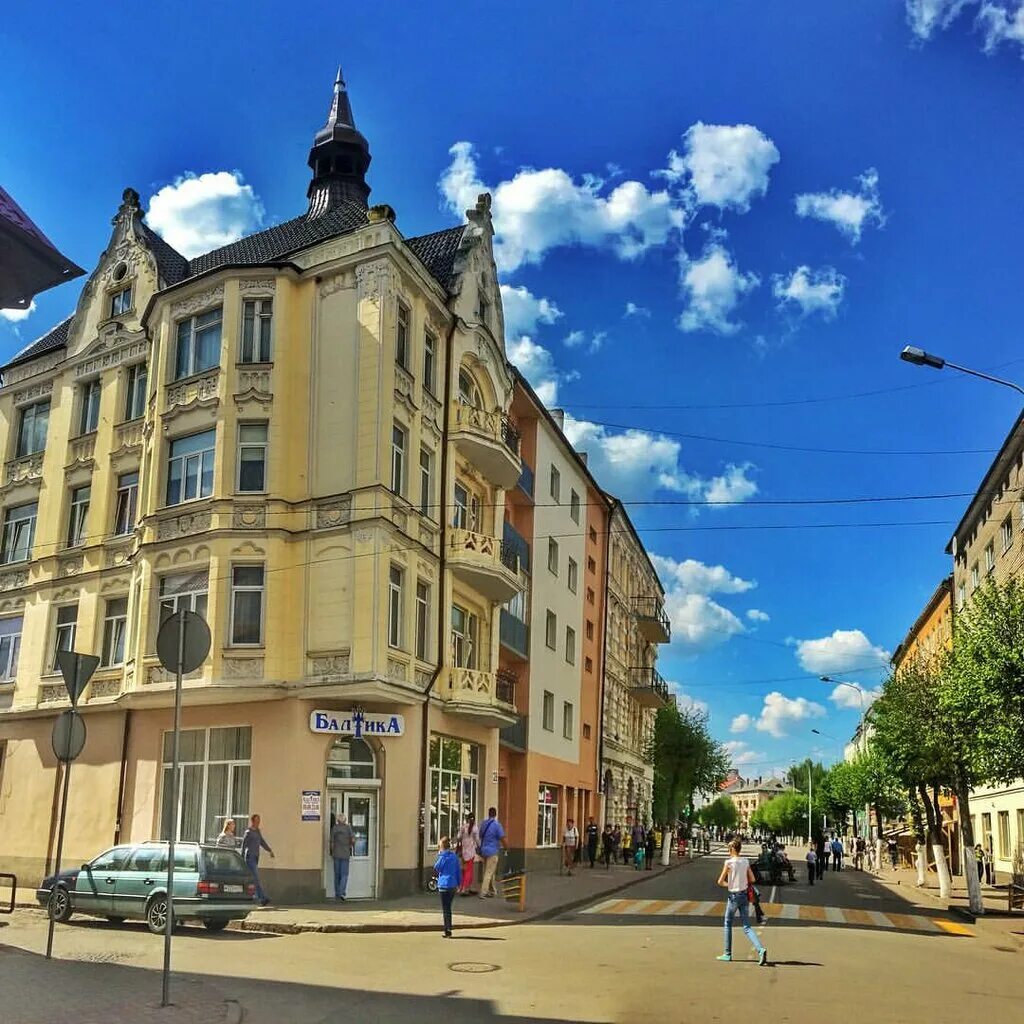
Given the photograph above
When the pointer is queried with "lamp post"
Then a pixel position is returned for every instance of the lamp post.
(918, 357)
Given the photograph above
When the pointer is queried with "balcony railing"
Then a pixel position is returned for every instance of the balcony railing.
(509, 555)
(525, 483)
(510, 435)
(516, 735)
(505, 686)
(514, 540)
(652, 619)
(489, 439)
(514, 634)
(485, 563)
(648, 687)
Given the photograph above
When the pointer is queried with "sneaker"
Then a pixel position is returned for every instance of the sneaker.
(727, 957)
(762, 958)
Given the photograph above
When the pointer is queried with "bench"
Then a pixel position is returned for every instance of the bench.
(1015, 896)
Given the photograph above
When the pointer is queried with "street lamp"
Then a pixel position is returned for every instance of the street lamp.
(918, 357)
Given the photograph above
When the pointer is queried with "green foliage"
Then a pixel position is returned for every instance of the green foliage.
(796, 776)
(785, 814)
(721, 812)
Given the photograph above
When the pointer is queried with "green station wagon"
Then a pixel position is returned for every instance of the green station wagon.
(211, 884)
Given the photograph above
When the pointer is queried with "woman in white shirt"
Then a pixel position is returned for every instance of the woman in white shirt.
(570, 840)
(736, 876)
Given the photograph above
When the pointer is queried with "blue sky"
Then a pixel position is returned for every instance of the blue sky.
(717, 227)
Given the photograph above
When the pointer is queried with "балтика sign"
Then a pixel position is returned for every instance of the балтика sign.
(356, 723)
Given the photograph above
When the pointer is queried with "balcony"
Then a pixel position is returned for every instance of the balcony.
(505, 686)
(648, 688)
(490, 567)
(525, 482)
(514, 634)
(518, 544)
(517, 735)
(474, 693)
(651, 620)
(489, 440)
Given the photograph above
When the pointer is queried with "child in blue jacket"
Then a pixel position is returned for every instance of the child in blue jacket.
(448, 871)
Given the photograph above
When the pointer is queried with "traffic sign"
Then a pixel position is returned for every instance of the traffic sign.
(68, 736)
(77, 670)
(194, 639)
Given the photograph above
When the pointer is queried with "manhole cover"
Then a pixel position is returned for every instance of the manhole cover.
(472, 967)
(103, 958)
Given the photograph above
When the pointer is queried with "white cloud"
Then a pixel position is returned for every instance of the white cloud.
(927, 16)
(698, 622)
(811, 291)
(1001, 23)
(198, 213)
(741, 723)
(756, 615)
(848, 211)
(779, 713)
(523, 311)
(577, 339)
(733, 487)
(15, 316)
(632, 309)
(540, 210)
(740, 754)
(685, 701)
(726, 165)
(713, 287)
(848, 698)
(537, 365)
(845, 650)
(697, 578)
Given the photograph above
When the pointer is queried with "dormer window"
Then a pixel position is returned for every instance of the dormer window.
(121, 302)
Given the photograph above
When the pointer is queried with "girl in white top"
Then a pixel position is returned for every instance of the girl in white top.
(736, 876)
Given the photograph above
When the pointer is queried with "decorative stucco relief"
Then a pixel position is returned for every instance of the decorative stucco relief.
(13, 580)
(243, 668)
(375, 281)
(182, 526)
(334, 665)
(333, 513)
(249, 517)
(198, 302)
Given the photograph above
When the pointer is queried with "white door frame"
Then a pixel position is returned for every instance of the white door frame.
(340, 789)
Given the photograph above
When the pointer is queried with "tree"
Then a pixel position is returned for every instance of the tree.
(721, 812)
(796, 775)
(785, 814)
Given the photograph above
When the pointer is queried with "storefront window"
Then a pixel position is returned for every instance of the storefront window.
(351, 758)
(454, 772)
(547, 815)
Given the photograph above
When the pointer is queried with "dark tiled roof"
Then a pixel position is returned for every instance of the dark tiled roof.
(56, 337)
(170, 264)
(437, 252)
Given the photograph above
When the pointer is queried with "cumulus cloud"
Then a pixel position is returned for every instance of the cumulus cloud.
(733, 487)
(197, 213)
(998, 21)
(537, 365)
(15, 316)
(697, 578)
(725, 165)
(712, 287)
(741, 723)
(779, 713)
(849, 699)
(685, 701)
(524, 311)
(579, 339)
(540, 210)
(848, 211)
(756, 615)
(810, 291)
(740, 754)
(632, 309)
(844, 651)
(1001, 23)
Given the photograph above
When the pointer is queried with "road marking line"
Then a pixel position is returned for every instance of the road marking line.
(879, 918)
(642, 906)
(835, 915)
(600, 908)
(658, 906)
(811, 912)
(703, 908)
(677, 907)
(953, 928)
(624, 907)
(775, 892)
(855, 916)
(789, 912)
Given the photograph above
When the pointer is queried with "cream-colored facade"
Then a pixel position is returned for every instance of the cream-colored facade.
(753, 794)
(633, 689)
(303, 436)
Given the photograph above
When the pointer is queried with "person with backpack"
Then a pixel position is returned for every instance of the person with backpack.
(492, 840)
(449, 876)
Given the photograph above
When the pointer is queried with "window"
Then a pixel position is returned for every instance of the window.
(19, 533)
(77, 515)
(395, 583)
(402, 336)
(483, 307)
(591, 565)
(89, 415)
(1007, 533)
(1003, 850)
(574, 506)
(548, 715)
(398, 447)
(350, 758)
(426, 480)
(213, 783)
(572, 574)
(986, 832)
(593, 536)
(586, 731)
(429, 360)
(135, 394)
(190, 467)
(567, 720)
(990, 556)
(115, 624)
(247, 585)
(547, 816)
(469, 393)
(467, 509)
(960, 596)
(198, 343)
(422, 619)
(10, 646)
(553, 555)
(570, 645)
(257, 322)
(125, 504)
(590, 595)
(454, 781)
(187, 592)
(556, 484)
(64, 633)
(975, 578)
(590, 629)
(121, 302)
(1020, 830)
(551, 630)
(32, 428)
(252, 457)
(588, 665)
(464, 630)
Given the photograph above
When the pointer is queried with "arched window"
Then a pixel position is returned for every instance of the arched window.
(351, 758)
(469, 393)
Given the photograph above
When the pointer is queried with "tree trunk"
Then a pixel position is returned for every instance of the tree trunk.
(934, 813)
(921, 847)
(879, 843)
(974, 900)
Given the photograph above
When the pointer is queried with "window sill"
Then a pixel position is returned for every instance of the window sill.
(8, 685)
(257, 365)
(243, 649)
(188, 501)
(194, 376)
(248, 494)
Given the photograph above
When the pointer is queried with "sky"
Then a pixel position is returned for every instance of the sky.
(715, 230)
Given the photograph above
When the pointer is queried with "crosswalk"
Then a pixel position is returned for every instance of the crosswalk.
(811, 913)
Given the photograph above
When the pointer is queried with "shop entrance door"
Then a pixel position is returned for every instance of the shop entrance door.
(360, 810)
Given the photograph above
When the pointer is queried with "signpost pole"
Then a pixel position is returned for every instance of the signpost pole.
(166, 996)
(60, 847)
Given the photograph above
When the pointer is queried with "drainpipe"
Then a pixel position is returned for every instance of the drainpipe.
(442, 563)
(122, 778)
(604, 663)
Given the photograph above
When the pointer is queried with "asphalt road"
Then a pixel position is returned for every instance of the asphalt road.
(846, 946)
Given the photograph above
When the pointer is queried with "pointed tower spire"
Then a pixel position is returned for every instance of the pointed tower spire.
(339, 158)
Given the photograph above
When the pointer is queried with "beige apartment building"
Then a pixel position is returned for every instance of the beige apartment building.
(751, 794)
(304, 437)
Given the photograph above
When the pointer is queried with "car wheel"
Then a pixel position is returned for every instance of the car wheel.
(116, 920)
(59, 904)
(215, 924)
(156, 915)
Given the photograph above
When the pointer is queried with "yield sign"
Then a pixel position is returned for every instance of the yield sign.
(77, 670)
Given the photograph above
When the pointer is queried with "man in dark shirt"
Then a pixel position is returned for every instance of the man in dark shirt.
(592, 833)
(252, 843)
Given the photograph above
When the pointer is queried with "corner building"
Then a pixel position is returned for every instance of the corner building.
(302, 436)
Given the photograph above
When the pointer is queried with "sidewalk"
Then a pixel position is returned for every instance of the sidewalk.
(904, 880)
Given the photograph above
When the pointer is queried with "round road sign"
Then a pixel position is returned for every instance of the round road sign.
(195, 642)
(68, 736)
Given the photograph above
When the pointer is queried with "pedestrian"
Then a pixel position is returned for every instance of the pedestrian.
(343, 843)
(492, 839)
(824, 852)
(616, 840)
(639, 840)
(837, 854)
(627, 841)
(570, 842)
(607, 846)
(449, 874)
(894, 852)
(990, 864)
(858, 853)
(468, 846)
(812, 863)
(227, 835)
(252, 843)
(737, 877)
(593, 832)
(819, 857)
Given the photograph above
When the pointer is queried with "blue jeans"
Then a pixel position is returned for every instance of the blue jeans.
(447, 896)
(340, 876)
(253, 866)
(738, 901)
